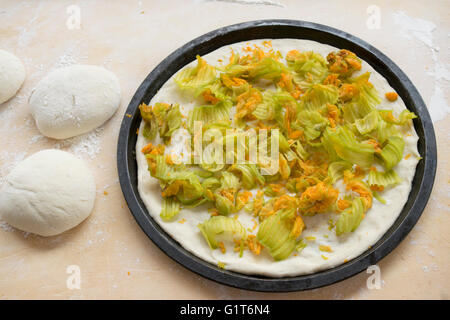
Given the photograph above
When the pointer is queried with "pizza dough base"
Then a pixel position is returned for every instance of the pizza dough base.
(346, 247)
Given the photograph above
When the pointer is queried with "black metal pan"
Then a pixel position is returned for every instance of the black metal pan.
(263, 29)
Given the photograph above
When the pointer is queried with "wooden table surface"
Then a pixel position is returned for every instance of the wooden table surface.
(115, 258)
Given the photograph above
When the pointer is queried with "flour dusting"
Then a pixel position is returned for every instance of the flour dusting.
(36, 138)
(438, 105)
(422, 30)
(415, 27)
(8, 160)
(6, 227)
(88, 144)
(251, 2)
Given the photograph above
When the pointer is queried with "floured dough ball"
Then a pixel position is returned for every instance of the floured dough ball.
(74, 100)
(12, 75)
(48, 193)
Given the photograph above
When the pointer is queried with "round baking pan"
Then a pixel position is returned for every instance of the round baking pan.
(276, 29)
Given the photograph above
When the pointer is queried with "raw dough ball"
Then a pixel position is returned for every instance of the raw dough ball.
(12, 75)
(74, 100)
(48, 193)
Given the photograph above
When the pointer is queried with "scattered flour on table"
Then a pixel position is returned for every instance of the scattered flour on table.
(422, 30)
(6, 227)
(250, 2)
(8, 160)
(88, 144)
(82, 146)
(36, 138)
(71, 55)
(415, 27)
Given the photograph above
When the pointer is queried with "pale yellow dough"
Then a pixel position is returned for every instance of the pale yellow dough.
(376, 222)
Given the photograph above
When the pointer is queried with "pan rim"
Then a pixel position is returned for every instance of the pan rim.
(215, 39)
